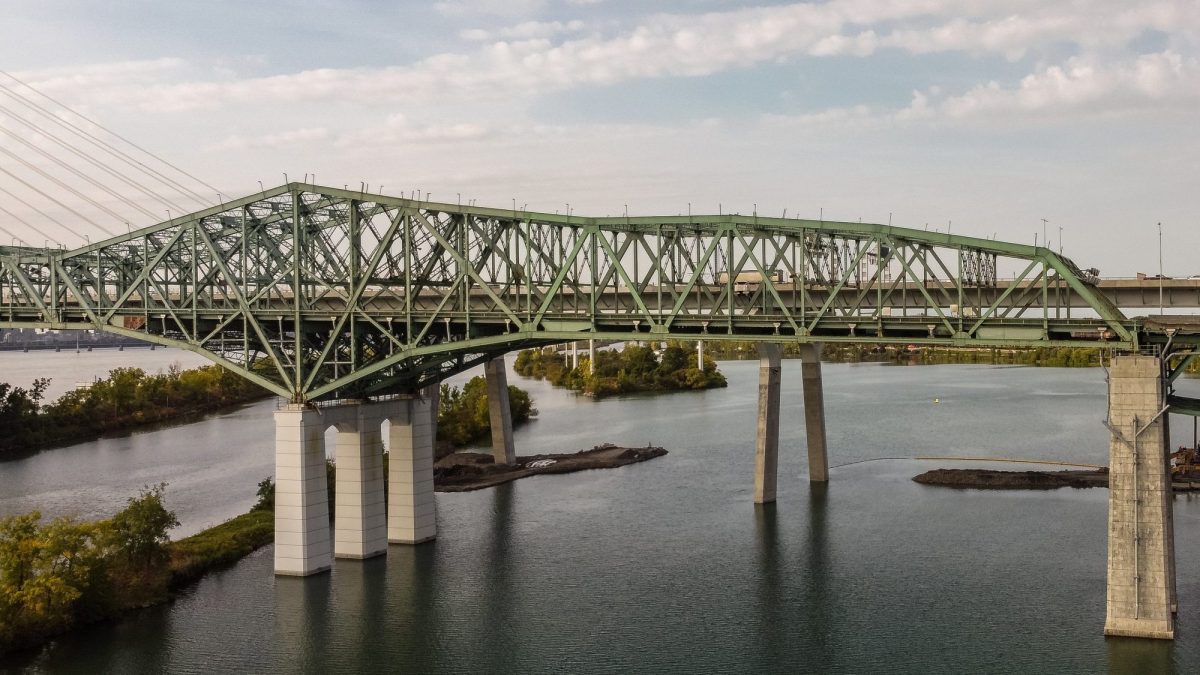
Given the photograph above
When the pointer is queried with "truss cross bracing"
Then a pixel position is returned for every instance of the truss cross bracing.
(318, 293)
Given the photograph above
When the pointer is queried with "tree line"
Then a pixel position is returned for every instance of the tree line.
(635, 368)
(127, 398)
(1051, 357)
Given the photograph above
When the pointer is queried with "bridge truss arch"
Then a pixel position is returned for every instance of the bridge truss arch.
(319, 293)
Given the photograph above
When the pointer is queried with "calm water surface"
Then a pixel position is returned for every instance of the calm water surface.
(669, 566)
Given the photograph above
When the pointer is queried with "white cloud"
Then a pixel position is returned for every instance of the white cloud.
(534, 58)
(398, 129)
(285, 139)
(461, 8)
(528, 30)
(1082, 86)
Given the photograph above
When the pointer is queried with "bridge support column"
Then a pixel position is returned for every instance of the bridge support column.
(301, 498)
(814, 413)
(499, 412)
(700, 354)
(591, 357)
(766, 453)
(359, 513)
(412, 512)
(1140, 529)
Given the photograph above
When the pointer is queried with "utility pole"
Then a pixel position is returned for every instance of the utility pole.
(1160, 271)
(1044, 241)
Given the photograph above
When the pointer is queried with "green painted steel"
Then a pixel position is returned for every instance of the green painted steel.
(343, 294)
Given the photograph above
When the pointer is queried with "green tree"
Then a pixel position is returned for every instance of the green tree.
(266, 495)
(44, 572)
(139, 531)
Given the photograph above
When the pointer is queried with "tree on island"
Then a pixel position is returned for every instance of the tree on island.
(636, 368)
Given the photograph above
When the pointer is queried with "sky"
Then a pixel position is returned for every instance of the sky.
(979, 116)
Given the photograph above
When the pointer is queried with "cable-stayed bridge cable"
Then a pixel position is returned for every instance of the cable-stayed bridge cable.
(56, 201)
(33, 167)
(107, 147)
(99, 164)
(45, 215)
(115, 134)
(76, 172)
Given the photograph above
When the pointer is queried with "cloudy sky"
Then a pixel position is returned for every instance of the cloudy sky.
(987, 114)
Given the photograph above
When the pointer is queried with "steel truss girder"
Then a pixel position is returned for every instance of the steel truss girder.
(318, 293)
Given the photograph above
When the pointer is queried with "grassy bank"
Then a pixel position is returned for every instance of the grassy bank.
(220, 546)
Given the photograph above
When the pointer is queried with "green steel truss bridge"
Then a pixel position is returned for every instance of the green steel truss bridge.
(317, 293)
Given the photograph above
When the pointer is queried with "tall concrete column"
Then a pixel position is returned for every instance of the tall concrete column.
(1170, 514)
(591, 357)
(360, 513)
(814, 413)
(499, 412)
(700, 354)
(1140, 532)
(302, 544)
(411, 510)
(766, 453)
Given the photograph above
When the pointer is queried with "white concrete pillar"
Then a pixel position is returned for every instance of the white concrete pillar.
(814, 413)
(499, 411)
(766, 454)
(574, 355)
(700, 354)
(302, 544)
(591, 357)
(412, 512)
(1140, 528)
(359, 513)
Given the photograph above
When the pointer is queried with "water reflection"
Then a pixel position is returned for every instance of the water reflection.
(772, 622)
(302, 622)
(1131, 656)
(817, 577)
(500, 647)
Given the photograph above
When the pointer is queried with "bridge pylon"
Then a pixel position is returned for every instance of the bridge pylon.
(1141, 536)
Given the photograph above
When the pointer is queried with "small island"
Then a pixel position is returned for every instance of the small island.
(463, 471)
(635, 368)
(990, 479)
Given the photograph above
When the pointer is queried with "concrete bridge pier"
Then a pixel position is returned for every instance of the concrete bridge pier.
(499, 411)
(411, 510)
(766, 452)
(359, 512)
(814, 413)
(1141, 536)
(302, 544)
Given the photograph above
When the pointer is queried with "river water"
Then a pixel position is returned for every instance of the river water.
(668, 566)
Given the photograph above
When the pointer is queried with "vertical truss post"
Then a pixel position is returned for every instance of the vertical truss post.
(297, 292)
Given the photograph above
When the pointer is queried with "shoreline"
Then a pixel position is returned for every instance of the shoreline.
(219, 547)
